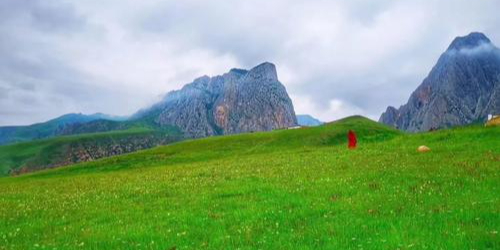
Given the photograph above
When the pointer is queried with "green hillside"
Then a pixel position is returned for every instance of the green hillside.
(288, 189)
(39, 154)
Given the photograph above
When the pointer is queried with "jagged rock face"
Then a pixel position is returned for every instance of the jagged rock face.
(462, 88)
(236, 102)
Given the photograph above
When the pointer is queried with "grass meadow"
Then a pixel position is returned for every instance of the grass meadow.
(287, 189)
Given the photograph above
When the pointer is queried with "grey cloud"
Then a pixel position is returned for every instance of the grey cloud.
(62, 56)
(4, 93)
(46, 16)
(222, 26)
(483, 48)
(36, 82)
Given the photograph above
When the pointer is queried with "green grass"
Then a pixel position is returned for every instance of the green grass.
(289, 189)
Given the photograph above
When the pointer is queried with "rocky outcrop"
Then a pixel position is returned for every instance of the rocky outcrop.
(462, 88)
(236, 102)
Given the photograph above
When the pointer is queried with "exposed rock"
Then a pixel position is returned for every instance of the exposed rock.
(462, 88)
(236, 102)
(423, 149)
(390, 116)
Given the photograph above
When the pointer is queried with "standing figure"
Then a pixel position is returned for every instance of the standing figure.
(352, 139)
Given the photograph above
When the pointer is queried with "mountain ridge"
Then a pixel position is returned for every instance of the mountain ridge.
(50, 128)
(462, 88)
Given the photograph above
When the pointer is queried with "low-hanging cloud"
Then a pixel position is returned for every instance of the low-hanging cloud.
(478, 50)
(336, 58)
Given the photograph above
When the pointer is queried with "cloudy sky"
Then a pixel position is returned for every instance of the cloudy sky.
(336, 58)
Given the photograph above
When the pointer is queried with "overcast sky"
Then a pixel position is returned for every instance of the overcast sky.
(336, 58)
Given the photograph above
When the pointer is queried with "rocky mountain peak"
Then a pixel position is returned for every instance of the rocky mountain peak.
(462, 88)
(390, 115)
(235, 102)
(238, 71)
(200, 82)
(469, 41)
(264, 71)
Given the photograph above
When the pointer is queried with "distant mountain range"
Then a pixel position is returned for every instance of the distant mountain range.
(51, 128)
(462, 88)
(307, 120)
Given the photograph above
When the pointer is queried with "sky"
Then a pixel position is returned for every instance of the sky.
(335, 58)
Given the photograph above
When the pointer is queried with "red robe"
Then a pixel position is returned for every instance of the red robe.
(352, 139)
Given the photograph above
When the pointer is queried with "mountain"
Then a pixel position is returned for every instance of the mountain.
(101, 116)
(307, 120)
(54, 127)
(462, 88)
(236, 102)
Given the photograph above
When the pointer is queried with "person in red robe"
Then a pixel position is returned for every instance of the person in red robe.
(351, 136)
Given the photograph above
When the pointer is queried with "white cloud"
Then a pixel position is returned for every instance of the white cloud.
(334, 110)
(336, 58)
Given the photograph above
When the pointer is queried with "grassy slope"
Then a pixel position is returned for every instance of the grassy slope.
(295, 189)
(43, 152)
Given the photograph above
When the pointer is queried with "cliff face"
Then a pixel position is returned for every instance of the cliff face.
(462, 88)
(236, 102)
